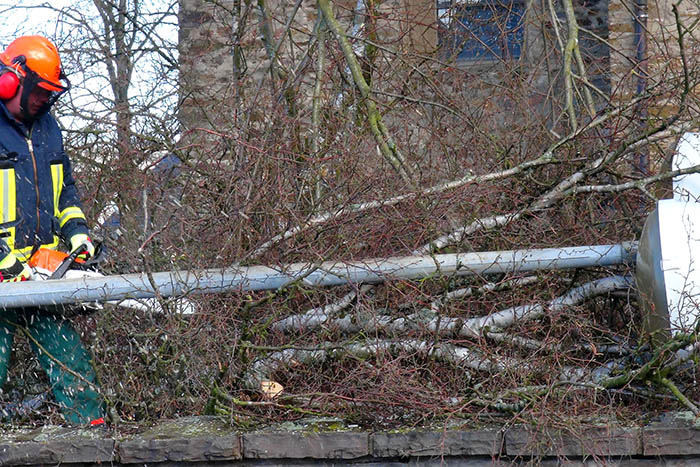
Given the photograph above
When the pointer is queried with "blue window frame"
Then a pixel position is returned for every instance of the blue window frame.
(482, 29)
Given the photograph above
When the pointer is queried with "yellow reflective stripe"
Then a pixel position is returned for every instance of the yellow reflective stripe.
(8, 203)
(8, 193)
(71, 212)
(24, 253)
(57, 180)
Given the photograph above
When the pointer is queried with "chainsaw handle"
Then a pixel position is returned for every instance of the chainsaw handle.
(98, 257)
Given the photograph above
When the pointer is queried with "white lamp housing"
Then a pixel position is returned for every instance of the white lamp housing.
(668, 261)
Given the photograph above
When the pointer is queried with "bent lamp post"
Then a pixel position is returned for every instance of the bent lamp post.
(667, 273)
(250, 278)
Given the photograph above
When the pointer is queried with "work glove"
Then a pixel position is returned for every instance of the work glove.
(13, 270)
(88, 248)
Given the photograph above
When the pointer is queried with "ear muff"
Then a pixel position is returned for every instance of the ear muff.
(9, 84)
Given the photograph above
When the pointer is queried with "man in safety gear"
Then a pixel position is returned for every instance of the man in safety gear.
(40, 208)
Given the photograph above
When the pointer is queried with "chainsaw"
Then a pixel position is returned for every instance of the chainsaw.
(47, 264)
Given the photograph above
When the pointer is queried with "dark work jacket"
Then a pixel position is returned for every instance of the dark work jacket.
(39, 203)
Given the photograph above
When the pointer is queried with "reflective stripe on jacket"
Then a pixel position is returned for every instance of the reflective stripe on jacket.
(39, 203)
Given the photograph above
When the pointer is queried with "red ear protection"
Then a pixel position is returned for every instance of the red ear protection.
(9, 84)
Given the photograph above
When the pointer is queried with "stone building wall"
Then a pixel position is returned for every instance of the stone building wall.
(622, 47)
(207, 32)
(646, 57)
(655, 38)
(206, 63)
(663, 48)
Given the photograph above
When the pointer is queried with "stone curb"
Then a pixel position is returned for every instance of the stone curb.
(54, 446)
(437, 443)
(188, 439)
(208, 439)
(660, 440)
(300, 445)
(602, 441)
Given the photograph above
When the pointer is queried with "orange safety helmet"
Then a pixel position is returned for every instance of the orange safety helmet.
(32, 61)
(40, 56)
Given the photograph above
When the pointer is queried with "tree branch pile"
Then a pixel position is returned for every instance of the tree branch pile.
(345, 143)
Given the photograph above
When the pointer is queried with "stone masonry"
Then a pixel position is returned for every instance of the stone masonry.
(197, 441)
(209, 31)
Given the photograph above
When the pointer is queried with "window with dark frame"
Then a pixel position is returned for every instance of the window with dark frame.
(482, 29)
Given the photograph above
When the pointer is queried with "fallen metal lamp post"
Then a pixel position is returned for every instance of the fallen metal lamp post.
(251, 278)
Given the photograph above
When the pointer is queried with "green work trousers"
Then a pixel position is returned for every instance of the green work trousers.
(62, 356)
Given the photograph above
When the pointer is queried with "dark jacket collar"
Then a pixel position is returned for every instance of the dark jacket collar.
(9, 119)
